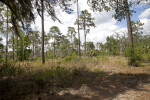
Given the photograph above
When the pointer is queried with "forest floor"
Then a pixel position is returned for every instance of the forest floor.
(89, 79)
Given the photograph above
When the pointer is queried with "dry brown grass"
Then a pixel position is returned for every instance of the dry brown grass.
(104, 76)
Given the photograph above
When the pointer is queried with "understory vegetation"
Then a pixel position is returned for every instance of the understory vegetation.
(27, 80)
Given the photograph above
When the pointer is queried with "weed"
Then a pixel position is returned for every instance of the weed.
(96, 69)
(84, 80)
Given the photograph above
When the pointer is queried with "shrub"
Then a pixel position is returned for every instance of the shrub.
(69, 58)
(10, 70)
(134, 55)
(146, 57)
(84, 80)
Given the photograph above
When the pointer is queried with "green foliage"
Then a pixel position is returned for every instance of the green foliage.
(101, 75)
(134, 55)
(57, 74)
(69, 58)
(102, 53)
(74, 55)
(50, 56)
(11, 70)
(112, 45)
(27, 51)
(96, 69)
(27, 98)
(84, 80)
(1, 51)
(119, 6)
(103, 58)
(146, 57)
(90, 46)
(92, 53)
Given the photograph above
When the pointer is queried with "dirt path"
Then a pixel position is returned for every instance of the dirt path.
(140, 93)
(128, 83)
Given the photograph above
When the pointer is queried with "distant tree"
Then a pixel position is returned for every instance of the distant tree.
(85, 22)
(1, 49)
(90, 46)
(6, 28)
(76, 43)
(123, 41)
(54, 33)
(12, 43)
(71, 34)
(100, 46)
(34, 36)
(79, 50)
(145, 44)
(64, 46)
(112, 45)
(137, 30)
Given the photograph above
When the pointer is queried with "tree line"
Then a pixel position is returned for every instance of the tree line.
(17, 15)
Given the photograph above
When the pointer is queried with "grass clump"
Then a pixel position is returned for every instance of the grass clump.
(8, 70)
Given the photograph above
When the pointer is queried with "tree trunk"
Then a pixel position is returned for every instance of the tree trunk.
(13, 47)
(7, 39)
(33, 48)
(79, 50)
(84, 43)
(84, 37)
(17, 49)
(23, 48)
(72, 43)
(54, 47)
(130, 36)
(43, 56)
(132, 60)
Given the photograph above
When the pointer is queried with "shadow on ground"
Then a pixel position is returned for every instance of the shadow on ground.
(100, 85)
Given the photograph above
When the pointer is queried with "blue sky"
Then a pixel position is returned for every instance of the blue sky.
(135, 16)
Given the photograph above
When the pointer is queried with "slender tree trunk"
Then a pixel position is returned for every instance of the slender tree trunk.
(79, 50)
(130, 36)
(84, 37)
(33, 48)
(84, 43)
(17, 49)
(54, 47)
(7, 38)
(43, 56)
(23, 48)
(13, 47)
(72, 43)
(46, 50)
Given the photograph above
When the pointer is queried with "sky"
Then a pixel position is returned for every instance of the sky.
(105, 24)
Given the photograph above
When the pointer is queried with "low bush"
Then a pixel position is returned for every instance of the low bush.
(134, 55)
(72, 57)
(11, 70)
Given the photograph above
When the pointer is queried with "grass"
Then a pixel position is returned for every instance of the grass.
(34, 76)
(61, 66)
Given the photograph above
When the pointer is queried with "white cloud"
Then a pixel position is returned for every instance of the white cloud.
(145, 14)
(144, 18)
(105, 24)
(146, 26)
